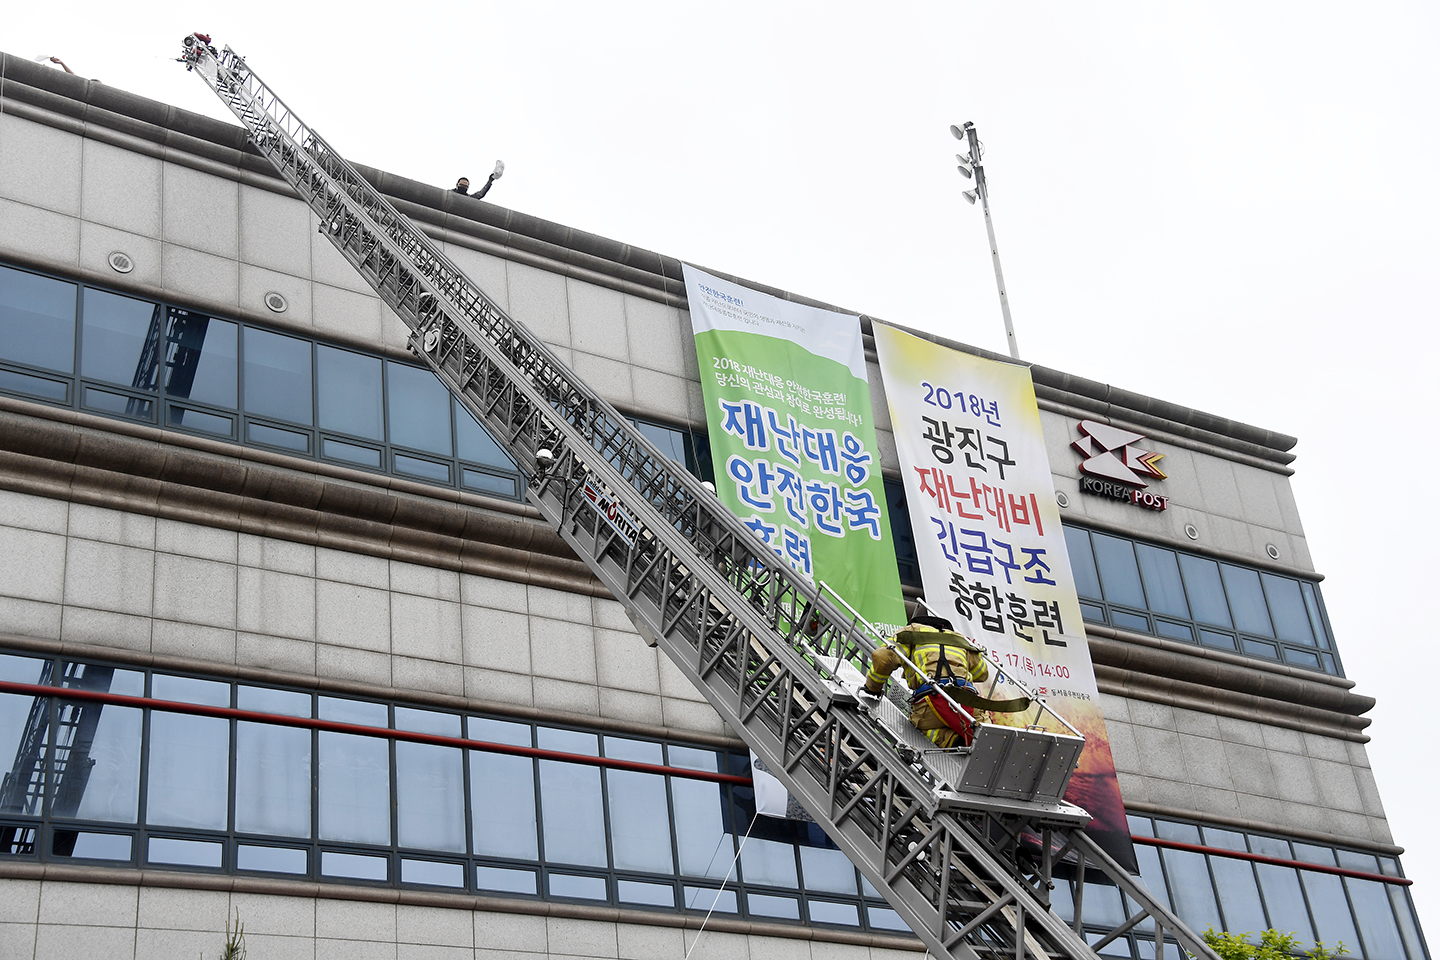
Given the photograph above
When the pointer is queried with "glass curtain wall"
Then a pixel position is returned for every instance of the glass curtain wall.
(1195, 599)
(161, 364)
(149, 784)
(144, 785)
(1217, 877)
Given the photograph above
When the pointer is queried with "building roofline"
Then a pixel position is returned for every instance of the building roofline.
(638, 270)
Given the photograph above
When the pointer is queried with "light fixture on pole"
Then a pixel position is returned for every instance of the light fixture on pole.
(969, 167)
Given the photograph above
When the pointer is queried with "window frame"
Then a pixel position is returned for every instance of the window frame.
(1324, 652)
(154, 407)
(728, 764)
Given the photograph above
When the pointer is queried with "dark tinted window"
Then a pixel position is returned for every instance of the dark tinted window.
(203, 363)
(1239, 896)
(277, 376)
(669, 442)
(1247, 601)
(682, 446)
(1376, 921)
(1119, 576)
(119, 339)
(1114, 574)
(1082, 563)
(475, 442)
(1312, 607)
(1161, 574)
(1202, 585)
(419, 409)
(572, 813)
(900, 528)
(1283, 899)
(348, 393)
(37, 320)
(1287, 609)
(1191, 889)
(200, 358)
(1330, 909)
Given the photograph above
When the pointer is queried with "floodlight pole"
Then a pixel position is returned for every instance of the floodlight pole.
(972, 140)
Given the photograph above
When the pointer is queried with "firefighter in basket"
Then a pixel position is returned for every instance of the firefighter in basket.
(953, 664)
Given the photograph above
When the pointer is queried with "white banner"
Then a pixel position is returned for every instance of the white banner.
(991, 549)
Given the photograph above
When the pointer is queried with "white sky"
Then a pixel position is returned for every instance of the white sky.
(1232, 207)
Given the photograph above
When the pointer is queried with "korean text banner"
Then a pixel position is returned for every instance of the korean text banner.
(792, 435)
(991, 550)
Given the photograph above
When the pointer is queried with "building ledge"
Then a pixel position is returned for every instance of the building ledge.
(1163, 671)
(1261, 826)
(184, 880)
(68, 455)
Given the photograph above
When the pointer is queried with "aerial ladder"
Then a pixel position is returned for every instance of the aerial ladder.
(950, 840)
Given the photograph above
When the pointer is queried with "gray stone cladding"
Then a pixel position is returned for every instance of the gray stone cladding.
(53, 919)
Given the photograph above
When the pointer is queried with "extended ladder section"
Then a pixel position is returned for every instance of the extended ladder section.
(759, 641)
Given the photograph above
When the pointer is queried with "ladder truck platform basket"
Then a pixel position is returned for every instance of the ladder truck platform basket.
(1020, 770)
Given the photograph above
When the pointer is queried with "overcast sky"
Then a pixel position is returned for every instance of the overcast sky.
(1232, 207)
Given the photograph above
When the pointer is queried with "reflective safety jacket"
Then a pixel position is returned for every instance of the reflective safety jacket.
(924, 645)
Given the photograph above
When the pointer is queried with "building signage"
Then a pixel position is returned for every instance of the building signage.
(1118, 491)
(1116, 466)
(792, 435)
(992, 552)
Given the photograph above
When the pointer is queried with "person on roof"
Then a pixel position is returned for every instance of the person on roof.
(950, 662)
(462, 186)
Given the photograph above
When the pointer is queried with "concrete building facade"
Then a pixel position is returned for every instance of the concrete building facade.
(280, 514)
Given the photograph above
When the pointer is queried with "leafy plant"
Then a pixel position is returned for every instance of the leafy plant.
(1273, 945)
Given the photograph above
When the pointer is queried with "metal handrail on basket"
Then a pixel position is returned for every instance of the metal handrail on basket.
(997, 671)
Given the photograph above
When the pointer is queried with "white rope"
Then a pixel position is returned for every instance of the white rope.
(734, 861)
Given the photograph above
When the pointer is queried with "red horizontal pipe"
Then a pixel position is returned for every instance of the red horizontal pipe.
(1261, 858)
(203, 710)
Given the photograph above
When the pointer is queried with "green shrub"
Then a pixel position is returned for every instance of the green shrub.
(1273, 945)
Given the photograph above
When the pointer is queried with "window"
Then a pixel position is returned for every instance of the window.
(37, 320)
(350, 398)
(188, 371)
(120, 339)
(1182, 596)
(277, 376)
(271, 793)
(419, 409)
(906, 556)
(686, 447)
(1342, 897)
(201, 355)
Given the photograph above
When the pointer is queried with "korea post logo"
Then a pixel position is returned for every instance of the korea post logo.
(1116, 466)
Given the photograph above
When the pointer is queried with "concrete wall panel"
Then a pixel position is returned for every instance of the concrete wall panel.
(200, 211)
(40, 165)
(121, 189)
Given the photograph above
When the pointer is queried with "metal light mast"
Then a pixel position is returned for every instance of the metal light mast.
(970, 166)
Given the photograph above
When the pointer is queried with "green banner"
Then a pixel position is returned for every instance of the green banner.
(792, 435)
